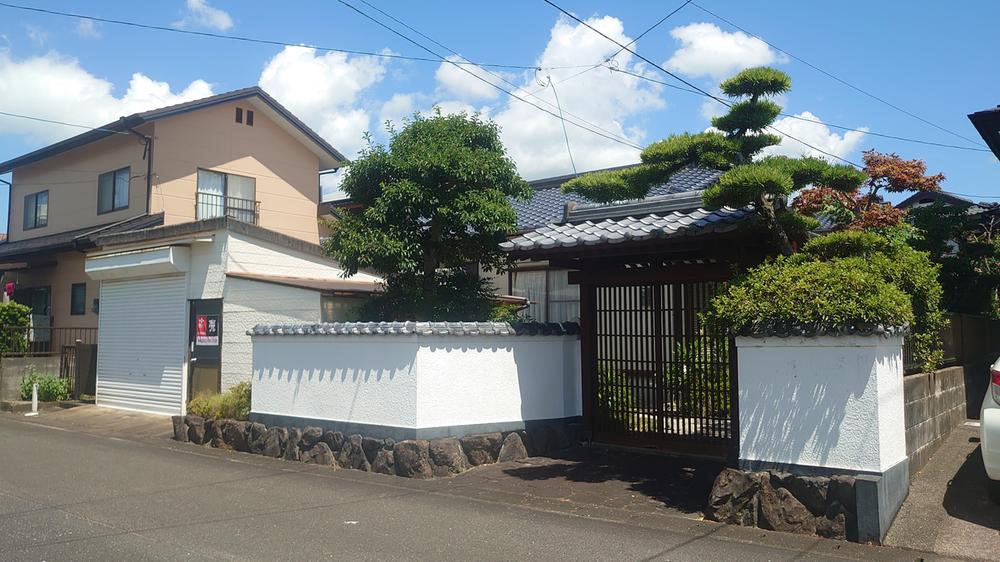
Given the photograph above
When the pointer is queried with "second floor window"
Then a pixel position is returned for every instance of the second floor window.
(222, 194)
(112, 190)
(36, 209)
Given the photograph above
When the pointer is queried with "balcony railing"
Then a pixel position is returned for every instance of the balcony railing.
(210, 205)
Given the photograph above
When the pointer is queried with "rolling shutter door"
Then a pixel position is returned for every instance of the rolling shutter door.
(141, 344)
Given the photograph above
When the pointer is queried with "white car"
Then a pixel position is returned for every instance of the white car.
(989, 432)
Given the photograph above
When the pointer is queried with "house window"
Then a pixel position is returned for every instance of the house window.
(221, 194)
(340, 308)
(250, 118)
(36, 210)
(551, 297)
(239, 114)
(78, 299)
(36, 298)
(112, 190)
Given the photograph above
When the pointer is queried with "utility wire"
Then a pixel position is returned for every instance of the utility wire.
(53, 121)
(503, 78)
(258, 40)
(817, 121)
(481, 79)
(565, 135)
(837, 78)
(693, 86)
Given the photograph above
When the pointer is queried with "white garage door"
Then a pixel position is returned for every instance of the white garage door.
(141, 344)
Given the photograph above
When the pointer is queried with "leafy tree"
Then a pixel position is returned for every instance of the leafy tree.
(14, 314)
(741, 134)
(435, 204)
(967, 246)
(865, 207)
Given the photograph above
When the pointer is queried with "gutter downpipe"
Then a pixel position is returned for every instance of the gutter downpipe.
(10, 199)
(147, 155)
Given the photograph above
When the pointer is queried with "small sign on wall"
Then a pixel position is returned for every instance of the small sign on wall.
(206, 329)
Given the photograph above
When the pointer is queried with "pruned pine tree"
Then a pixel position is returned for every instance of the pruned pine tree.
(734, 147)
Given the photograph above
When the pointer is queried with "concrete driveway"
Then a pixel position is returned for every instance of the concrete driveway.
(948, 510)
(70, 492)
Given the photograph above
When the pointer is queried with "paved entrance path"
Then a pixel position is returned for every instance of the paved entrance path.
(73, 493)
(948, 510)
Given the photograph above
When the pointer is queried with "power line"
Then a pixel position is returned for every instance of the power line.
(481, 79)
(258, 40)
(838, 79)
(693, 86)
(817, 121)
(53, 121)
(501, 77)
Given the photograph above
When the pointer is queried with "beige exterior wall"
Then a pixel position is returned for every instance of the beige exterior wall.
(286, 172)
(60, 277)
(71, 180)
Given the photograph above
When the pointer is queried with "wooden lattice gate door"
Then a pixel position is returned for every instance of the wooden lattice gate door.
(660, 378)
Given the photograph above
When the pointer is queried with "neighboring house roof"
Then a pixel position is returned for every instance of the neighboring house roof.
(665, 216)
(344, 285)
(418, 329)
(548, 203)
(987, 122)
(927, 197)
(179, 230)
(80, 238)
(329, 157)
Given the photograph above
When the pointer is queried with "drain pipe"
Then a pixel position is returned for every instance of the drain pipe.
(147, 155)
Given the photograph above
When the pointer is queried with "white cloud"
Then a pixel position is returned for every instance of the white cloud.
(816, 134)
(324, 91)
(707, 50)
(200, 14)
(464, 85)
(37, 35)
(87, 28)
(397, 109)
(58, 88)
(607, 99)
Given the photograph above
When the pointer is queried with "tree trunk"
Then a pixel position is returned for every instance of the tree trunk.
(780, 237)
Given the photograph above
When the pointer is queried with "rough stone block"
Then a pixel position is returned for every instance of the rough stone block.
(483, 448)
(411, 459)
(180, 429)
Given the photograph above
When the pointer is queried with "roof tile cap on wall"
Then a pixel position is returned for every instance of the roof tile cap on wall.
(419, 329)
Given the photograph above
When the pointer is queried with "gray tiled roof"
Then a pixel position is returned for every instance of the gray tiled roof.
(548, 201)
(72, 238)
(418, 328)
(667, 216)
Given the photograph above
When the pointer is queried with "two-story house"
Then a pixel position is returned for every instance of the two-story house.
(171, 232)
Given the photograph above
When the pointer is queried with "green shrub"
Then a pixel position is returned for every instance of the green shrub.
(232, 404)
(699, 369)
(14, 314)
(507, 313)
(615, 403)
(821, 295)
(50, 387)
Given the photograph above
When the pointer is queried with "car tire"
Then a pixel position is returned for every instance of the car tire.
(994, 486)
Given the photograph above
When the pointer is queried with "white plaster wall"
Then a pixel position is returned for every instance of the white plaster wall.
(208, 266)
(834, 402)
(415, 381)
(247, 303)
(250, 255)
(497, 379)
(363, 379)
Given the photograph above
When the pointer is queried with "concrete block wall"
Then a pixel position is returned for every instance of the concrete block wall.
(934, 404)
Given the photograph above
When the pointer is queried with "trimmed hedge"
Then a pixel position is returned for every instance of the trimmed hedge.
(840, 280)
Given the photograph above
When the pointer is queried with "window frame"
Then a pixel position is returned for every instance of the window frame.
(239, 115)
(114, 187)
(33, 197)
(249, 117)
(225, 193)
(74, 310)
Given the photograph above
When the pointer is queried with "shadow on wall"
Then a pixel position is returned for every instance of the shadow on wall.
(558, 364)
(967, 498)
(790, 418)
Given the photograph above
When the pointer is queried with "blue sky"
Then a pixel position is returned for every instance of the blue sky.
(930, 58)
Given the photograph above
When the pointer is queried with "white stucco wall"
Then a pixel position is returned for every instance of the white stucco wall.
(247, 303)
(417, 382)
(831, 402)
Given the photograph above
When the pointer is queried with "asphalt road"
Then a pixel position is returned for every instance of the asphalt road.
(66, 494)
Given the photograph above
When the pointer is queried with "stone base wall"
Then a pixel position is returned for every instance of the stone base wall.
(934, 405)
(809, 505)
(14, 369)
(413, 458)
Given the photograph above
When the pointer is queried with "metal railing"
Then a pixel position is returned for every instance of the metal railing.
(27, 341)
(210, 205)
(966, 339)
